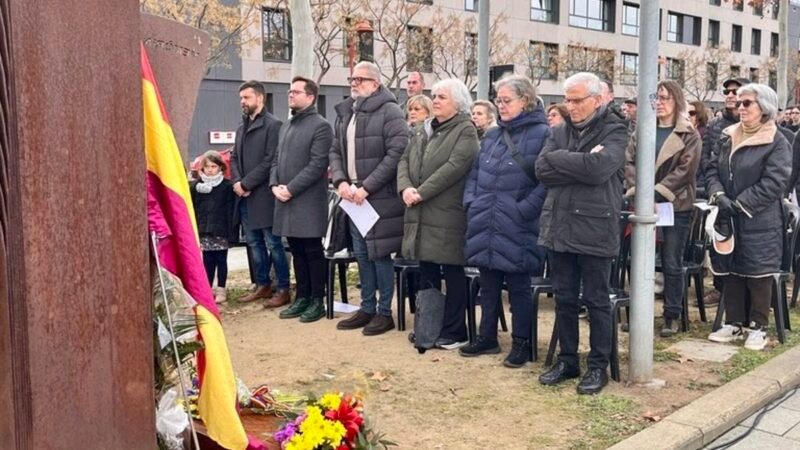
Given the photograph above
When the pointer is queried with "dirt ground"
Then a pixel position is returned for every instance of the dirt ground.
(440, 400)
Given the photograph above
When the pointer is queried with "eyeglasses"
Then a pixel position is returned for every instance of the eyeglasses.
(291, 92)
(575, 101)
(663, 98)
(692, 113)
(358, 80)
(745, 103)
(504, 101)
(729, 91)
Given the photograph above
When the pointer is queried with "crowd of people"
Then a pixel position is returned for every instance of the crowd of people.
(509, 187)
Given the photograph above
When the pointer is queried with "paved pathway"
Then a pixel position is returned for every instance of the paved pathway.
(779, 428)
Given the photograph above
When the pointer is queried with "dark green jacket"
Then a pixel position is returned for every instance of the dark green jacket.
(436, 163)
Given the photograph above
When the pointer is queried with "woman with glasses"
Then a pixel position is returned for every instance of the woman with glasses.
(556, 114)
(504, 199)
(746, 182)
(430, 180)
(678, 147)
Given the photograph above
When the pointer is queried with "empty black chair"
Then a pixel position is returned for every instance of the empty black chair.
(405, 270)
(337, 262)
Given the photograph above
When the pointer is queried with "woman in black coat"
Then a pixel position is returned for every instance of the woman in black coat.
(747, 182)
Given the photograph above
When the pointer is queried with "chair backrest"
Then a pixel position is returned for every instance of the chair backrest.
(697, 242)
(791, 217)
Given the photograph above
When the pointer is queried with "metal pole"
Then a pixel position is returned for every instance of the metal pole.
(187, 405)
(783, 54)
(483, 49)
(644, 219)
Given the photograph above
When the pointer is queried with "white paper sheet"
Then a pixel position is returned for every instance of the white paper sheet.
(666, 214)
(364, 215)
(344, 308)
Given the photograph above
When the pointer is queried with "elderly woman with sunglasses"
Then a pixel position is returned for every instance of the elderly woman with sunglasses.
(678, 147)
(746, 182)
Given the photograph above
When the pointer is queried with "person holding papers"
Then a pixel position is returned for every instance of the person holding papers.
(678, 148)
(370, 136)
(430, 180)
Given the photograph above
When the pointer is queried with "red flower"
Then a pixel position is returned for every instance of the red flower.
(351, 420)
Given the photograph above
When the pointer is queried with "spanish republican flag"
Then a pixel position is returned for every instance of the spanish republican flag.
(171, 217)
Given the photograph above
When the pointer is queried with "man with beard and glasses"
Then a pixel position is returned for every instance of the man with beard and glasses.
(251, 161)
(371, 135)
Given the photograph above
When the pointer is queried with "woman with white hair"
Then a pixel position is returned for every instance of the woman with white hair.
(430, 179)
(504, 200)
(747, 182)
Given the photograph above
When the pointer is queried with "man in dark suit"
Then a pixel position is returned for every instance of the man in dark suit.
(253, 153)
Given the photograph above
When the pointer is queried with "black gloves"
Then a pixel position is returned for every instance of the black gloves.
(727, 208)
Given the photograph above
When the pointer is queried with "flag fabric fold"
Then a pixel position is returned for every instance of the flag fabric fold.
(171, 216)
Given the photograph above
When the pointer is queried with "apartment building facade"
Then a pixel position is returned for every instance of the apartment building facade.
(701, 42)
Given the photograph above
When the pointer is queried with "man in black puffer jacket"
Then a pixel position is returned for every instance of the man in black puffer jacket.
(371, 135)
(581, 165)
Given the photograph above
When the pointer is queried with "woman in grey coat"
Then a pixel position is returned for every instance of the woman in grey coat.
(746, 182)
(430, 179)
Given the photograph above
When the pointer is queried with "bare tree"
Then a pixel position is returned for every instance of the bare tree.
(226, 24)
(393, 24)
(581, 57)
(702, 70)
(540, 59)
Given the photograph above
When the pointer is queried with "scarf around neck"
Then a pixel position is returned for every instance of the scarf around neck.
(209, 183)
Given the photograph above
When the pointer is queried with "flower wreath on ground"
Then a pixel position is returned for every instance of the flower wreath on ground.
(333, 422)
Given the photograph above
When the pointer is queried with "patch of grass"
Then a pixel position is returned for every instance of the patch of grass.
(665, 356)
(694, 385)
(606, 419)
(235, 293)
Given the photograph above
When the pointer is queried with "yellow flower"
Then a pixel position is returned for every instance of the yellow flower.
(330, 401)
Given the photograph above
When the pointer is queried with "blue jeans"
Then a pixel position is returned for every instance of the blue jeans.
(377, 275)
(672, 262)
(259, 240)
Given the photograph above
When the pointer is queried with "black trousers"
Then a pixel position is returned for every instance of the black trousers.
(519, 296)
(568, 270)
(671, 263)
(216, 261)
(736, 290)
(455, 308)
(309, 264)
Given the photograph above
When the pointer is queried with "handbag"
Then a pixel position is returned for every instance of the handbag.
(428, 318)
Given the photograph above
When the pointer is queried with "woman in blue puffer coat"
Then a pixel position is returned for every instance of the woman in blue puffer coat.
(503, 200)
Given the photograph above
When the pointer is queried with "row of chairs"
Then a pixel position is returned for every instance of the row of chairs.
(692, 269)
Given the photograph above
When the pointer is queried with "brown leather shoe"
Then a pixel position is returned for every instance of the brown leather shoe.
(280, 298)
(358, 320)
(261, 292)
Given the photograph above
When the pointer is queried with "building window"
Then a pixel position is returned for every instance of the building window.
(774, 45)
(715, 2)
(364, 49)
(736, 72)
(471, 53)
(471, 5)
(712, 76)
(683, 29)
(754, 76)
(630, 68)
(424, 2)
(544, 11)
(543, 61)
(675, 70)
(584, 59)
(755, 42)
(322, 105)
(736, 38)
(775, 8)
(773, 79)
(738, 5)
(630, 19)
(276, 35)
(592, 14)
(418, 51)
(713, 33)
(758, 9)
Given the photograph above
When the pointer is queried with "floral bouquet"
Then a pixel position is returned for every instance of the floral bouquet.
(334, 422)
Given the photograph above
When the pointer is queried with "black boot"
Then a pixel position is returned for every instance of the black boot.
(520, 353)
(481, 346)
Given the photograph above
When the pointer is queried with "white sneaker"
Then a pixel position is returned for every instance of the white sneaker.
(756, 340)
(728, 333)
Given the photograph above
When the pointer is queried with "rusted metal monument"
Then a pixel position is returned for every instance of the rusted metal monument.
(76, 351)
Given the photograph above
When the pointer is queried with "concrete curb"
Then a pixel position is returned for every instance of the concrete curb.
(707, 418)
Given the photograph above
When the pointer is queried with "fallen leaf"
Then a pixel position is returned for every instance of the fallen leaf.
(385, 387)
(436, 359)
(379, 376)
(685, 360)
(652, 417)
(329, 376)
